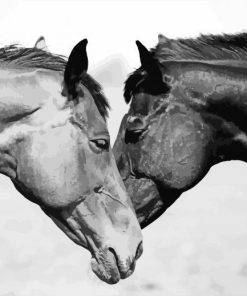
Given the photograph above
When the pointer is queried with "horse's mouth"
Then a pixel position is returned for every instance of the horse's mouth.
(108, 268)
(104, 262)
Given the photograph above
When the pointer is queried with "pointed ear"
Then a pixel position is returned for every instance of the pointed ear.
(163, 39)
(41, 44)
(76, 67)
(149, 63)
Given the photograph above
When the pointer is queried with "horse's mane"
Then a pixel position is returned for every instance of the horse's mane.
(204, 47)
(33, 57)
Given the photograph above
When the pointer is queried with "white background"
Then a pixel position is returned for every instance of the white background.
(199, 246)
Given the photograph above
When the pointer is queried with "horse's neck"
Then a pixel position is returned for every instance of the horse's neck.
(228, 63)
(219, 90)
(227, 111)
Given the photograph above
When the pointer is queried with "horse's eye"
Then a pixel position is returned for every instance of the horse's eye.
(100, 144)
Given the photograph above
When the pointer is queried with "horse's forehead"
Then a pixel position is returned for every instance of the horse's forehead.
(141, 99)
(29, 86)
(89, 108)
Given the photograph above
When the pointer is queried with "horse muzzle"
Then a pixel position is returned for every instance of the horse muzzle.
(111, 267)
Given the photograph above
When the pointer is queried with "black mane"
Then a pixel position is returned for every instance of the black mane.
(141, 80)
(204, 47)
(13, 55)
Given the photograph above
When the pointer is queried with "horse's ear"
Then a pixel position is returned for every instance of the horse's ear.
(76, 67)
(148, 62)
(163, 39)
(41, 44)
(145, 55)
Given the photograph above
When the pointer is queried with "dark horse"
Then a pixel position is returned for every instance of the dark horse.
(188, 111)
(54, 145)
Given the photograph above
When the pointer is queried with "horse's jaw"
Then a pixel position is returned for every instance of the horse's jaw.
(103, 262)
(146, 199)
(150, 199)
(108, 242)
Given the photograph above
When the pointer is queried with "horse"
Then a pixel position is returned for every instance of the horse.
(188, 112)
(55, 148)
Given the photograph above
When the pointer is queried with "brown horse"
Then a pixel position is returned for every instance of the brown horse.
(55, 148)
(188, 111)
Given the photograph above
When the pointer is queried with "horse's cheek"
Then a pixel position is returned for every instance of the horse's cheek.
(186, 159)
(144, 195)
(49, 162)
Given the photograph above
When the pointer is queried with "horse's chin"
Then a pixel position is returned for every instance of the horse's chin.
(62, 224)
(105, 266)
(150, 198)
(146, 199)
(104, 262)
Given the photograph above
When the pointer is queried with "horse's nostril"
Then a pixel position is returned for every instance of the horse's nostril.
(98, 189)
(114, 254)
(139, 251)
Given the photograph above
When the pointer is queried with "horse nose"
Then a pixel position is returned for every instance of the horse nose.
(126, 265)
(135, 123)
(125, 242)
